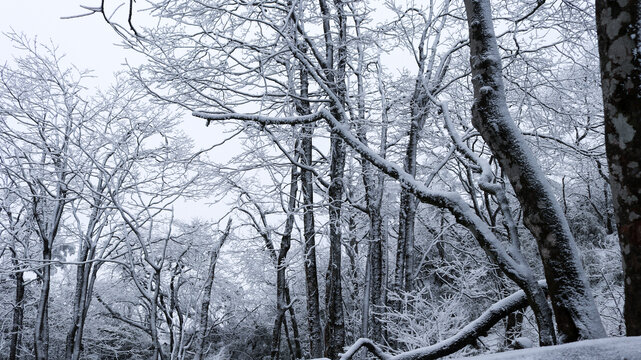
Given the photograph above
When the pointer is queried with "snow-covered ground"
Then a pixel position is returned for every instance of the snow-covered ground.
(624, 348)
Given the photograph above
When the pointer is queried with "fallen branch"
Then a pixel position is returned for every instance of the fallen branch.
(464, 337)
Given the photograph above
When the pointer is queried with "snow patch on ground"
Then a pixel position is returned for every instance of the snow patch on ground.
(622, 348)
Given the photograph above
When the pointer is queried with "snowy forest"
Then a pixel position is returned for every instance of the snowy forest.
(394, 180)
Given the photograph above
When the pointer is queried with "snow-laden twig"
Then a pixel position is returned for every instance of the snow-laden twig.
(464, 337)
(265, 120)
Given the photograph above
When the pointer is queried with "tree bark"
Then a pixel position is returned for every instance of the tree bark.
(619, 31)
(307, 187)
(572, 300)
(85, 278)
(204, 304)
(18, 310)
(374, 189)
(73, 341)
(335, 326)
(41, 331)
(282, 303)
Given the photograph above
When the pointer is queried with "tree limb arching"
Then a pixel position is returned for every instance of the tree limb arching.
(464, 337)
(452, 201)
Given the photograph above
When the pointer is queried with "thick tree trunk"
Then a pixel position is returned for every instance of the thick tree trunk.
(374, 276)
(47, 229)
(204, 304)
(619, 30)
(154, 284)
(78, 304)
(335, 327)
(576, 313)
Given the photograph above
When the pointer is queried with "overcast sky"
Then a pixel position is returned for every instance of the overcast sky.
(89, 43)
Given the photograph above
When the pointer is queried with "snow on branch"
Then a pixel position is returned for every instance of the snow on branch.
(264, 120)
(464, 337)
(449, 200)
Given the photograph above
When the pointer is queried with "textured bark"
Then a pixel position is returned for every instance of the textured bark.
(335, 327)
(576, 313)
(47, 231)
(619, 30)
(307, 188)
(538, 302)
(154, 284)
(376, 268)
(204, 305)
(406, 219)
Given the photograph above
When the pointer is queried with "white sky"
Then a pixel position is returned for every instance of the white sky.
(89, 43)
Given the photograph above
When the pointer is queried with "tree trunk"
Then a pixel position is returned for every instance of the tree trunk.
(74, 336)
(373, 198)
(18, 311)
(335, 326)
(576, 313)
(407, 208)
(41, 331)
(619, 33)
(307, 187)
(204, 304)
(513, 327)
(85, 278)
(281, 282)
(298, 352)
(427, 79)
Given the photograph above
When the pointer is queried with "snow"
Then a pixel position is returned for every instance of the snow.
(623, 348)
(624, 130)
(523, 343)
